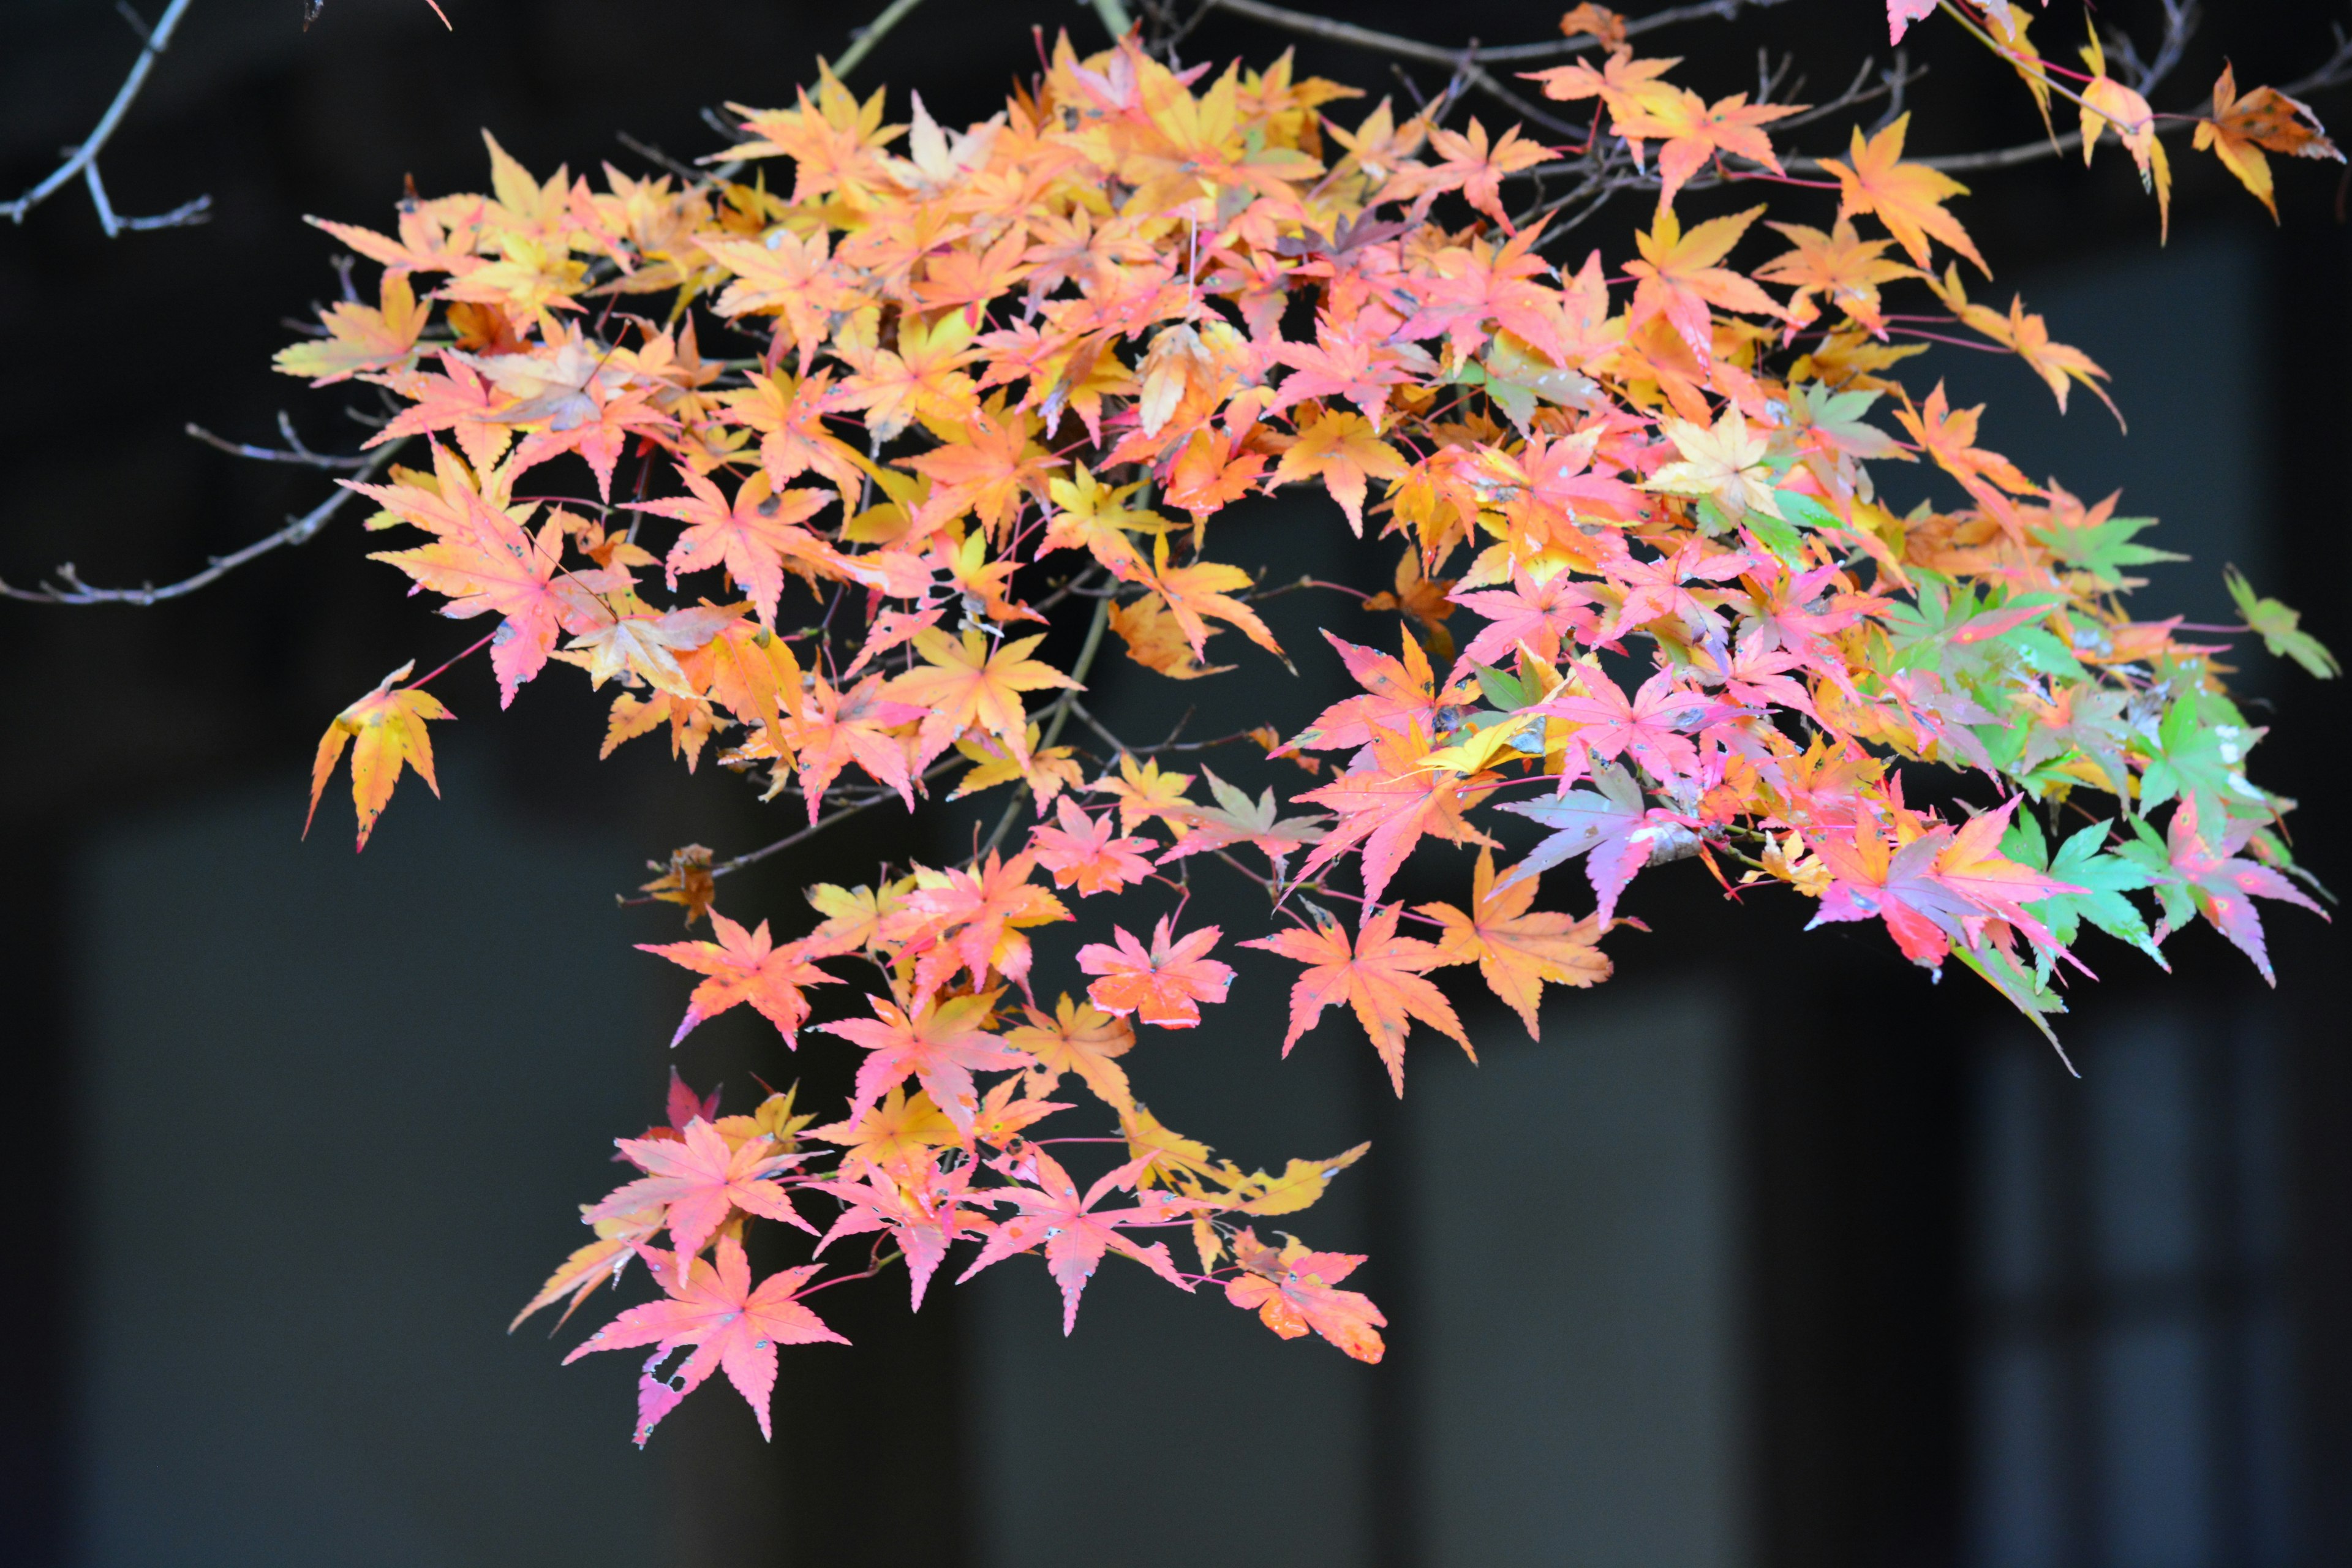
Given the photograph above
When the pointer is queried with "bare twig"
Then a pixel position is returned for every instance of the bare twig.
(1340, 32)
(67, 588)
(873, 33)
(82, 163)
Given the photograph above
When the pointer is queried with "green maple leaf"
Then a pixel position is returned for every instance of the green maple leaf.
(2104, 549)
(2104, 878)
(2278, 624)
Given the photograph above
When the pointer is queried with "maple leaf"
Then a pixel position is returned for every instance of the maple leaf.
(1617, 831)
(941, 1043)
(1165, 985)
(1075, 1234)
(983, 909)
(732, 1325)
(968, 684)
(1472, 167)
(1387, 804)
(1647, 725)
(698, 1180)
(1906, 197)
(839, 728)
(1940, 886)
(1078, 1037)
(380, 337)
(1342, 450)
(1678, 279)
(1538, 612)
(2195, 873)
(744, 966)
(2028, 337)
(2104, 878)
(1236, 820)
(2108, 105)
(390, 727)
(1692, 131)
(1381, 976)
(1145, 793)
(1292, 1290)
(1200, 590)
(895, 1132)
(1517, 950)
(1082, 853)
(685, 880)
(2240, 127)
(1726, 465)
(2279, 627)
(1840, 264)
(1157, 641)
(921, 1208)
(592, 1264)
(754, 537)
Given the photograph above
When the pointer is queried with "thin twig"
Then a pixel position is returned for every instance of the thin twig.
(1341, 32)
(82, 163)
(70, 589)
(873, 33)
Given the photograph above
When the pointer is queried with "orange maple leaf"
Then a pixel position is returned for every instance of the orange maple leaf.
(744, 966)
(1906, 197)
(757, 537)
(1381, 976)
(1079, 1037)
(940, 1044)
(2240, 127)
(1165, 985)
(967, 682)
(1677, 278)
(361, 337)
(1341, 450)
(1517, 950)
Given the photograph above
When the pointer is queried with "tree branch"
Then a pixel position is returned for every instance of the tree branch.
(82, 163)
(70, 589)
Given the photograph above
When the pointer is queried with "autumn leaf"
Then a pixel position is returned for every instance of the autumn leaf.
(1156, 640)
(1165, 985)
(732, 1325)
(1516, 949)
(698, 1180)
(390, 727)
(1073, 1233)
(941, 1043)
(1082, 852)
(1343, 451)
(1908, 198)
(1292, 1290)
(1081, 1038)
(756, 537)
(895, 1132)
(2197, 873)
(1380, 974)
(965, 683)
(2240, 127)
(744, 966)
(685, 880)
(364, 338)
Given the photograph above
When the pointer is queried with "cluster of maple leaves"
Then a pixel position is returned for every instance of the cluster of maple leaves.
(988, 373)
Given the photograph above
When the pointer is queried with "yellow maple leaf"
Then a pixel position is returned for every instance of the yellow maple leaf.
(390, 727)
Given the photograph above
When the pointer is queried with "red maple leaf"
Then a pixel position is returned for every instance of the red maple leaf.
(1381, 976)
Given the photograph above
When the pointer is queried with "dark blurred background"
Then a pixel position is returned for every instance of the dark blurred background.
(1772, 1253)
